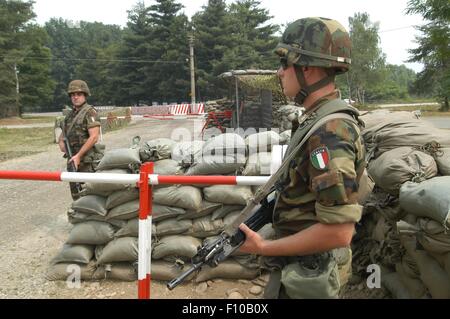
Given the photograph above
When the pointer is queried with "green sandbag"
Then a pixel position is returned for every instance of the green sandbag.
(207, 209)
(167, 167)
(414, 286)
(262, 142)
(229, 269)
(228, 194)
(91, 233)
(155, 150)
(131, 229)
(393, 283)
(62, 271)
(166, 271)
(172, 227)
(125, 211)
(119, 158)
(120, 249)
(123, 271)
(182, 246)
(225, 210)
(429, 199)
(401, 165)
(122, 197)
(91, 204)
(81, 254)
(258, 164)
(204, 227)
(160, 212)
(187, 197)
(106, 188)
(187, 153)
(77, 217)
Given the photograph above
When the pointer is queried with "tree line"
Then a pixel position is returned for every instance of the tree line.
(148, 60)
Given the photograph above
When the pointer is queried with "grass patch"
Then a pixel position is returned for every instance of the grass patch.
(22, 142)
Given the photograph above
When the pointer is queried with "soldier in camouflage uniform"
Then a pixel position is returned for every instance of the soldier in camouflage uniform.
(81, 128)
(317, 204)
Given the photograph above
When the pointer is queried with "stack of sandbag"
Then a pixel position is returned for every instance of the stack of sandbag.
(103, 240)
(259, 148)
(404, 228)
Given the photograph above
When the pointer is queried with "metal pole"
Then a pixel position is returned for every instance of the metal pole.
(193, 99)
(237, 102)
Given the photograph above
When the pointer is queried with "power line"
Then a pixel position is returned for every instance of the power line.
(396, 29)
(97, 60)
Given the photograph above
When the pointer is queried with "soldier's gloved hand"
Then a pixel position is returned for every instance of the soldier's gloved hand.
(76, 160)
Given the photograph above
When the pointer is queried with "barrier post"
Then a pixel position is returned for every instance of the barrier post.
(145, 228)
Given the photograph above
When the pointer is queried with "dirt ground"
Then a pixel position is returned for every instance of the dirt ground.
(34, 227)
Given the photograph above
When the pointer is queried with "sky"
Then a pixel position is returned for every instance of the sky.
(396, 28)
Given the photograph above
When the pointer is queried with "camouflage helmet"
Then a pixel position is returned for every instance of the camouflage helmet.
(78, 86)
(317, 42)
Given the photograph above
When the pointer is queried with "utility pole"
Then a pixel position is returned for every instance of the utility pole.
(193, 102)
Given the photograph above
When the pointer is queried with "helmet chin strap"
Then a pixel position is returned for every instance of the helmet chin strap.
(306, 90)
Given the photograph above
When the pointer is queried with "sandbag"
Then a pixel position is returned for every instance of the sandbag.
(262, 142)
(207, 209)
(119, 158)
(131, 229)
(204, 227)
(228, 194)
(431, 273)
(91, 233)
(366, 185)
(400, 165)
(227, 270)
(91, 204)
(172, 227)
(443, 161)
(187, 153)
(106, 188)
(187, 197)
(184, 246)
(125, 211)
(387, 117)
(124, 271)
(222, 154)
(166, 271)
(217, 165)
(62, 271)
(156, 150)
(258, 164)
(434, 237)
(225, 210)
(230, 217)
(160, 212)
(285, 137)
(395, 286)
(167, 167)
(81, 254)
(429, 199)
(75, 217)
(414, 286)
(120, 249)
(122, 197)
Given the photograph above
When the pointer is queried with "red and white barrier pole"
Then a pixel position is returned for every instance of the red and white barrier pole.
(107, 178)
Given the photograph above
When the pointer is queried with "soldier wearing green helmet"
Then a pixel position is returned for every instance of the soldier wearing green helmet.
(81, 128)
(317, 197)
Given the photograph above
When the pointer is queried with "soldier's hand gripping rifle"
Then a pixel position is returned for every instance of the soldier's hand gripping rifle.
(69, 154)
(212, 253)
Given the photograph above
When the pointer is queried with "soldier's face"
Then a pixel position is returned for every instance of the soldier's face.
(78, 99)
(288, 78)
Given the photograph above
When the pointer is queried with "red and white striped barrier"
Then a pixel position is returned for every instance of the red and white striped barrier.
(180, 109)
(143, 180)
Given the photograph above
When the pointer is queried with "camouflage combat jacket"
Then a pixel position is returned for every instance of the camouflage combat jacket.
(322, 182)
(79, 133)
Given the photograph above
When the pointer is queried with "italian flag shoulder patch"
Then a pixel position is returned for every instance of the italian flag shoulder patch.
(320, 158)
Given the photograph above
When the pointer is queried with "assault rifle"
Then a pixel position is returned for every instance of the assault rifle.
(71, 167)
(213, 253)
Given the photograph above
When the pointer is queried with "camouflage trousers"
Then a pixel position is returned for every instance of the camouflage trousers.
(303, 277)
